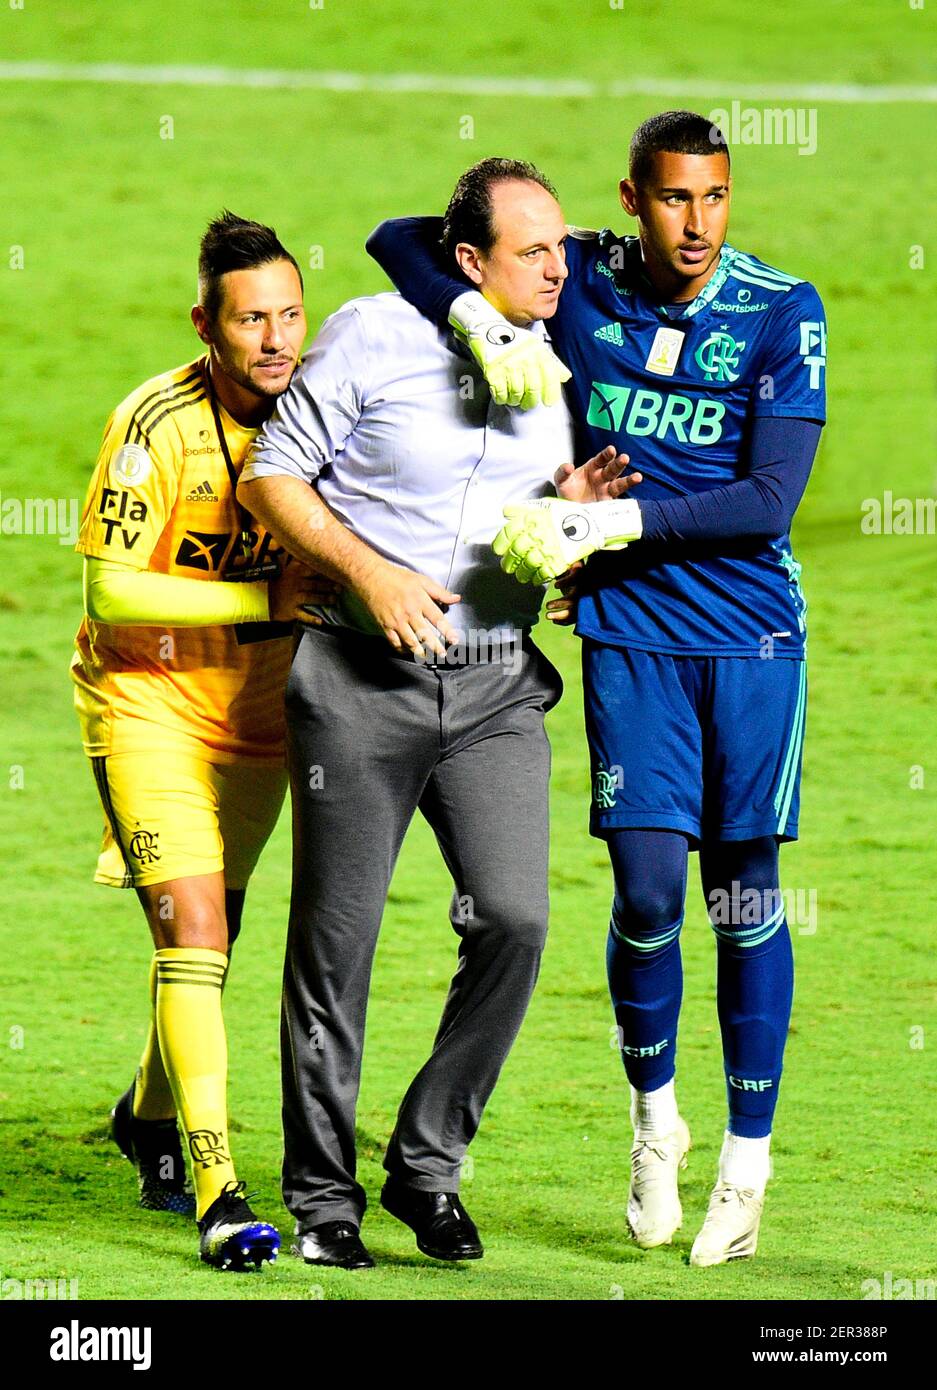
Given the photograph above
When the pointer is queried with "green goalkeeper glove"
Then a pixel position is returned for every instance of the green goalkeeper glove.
(519, 366)
(540, 540)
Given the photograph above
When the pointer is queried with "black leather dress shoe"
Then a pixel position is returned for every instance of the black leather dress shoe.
(333, 1243)
(442, 1226)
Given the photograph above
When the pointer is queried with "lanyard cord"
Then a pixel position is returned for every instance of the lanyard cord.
(243, 515)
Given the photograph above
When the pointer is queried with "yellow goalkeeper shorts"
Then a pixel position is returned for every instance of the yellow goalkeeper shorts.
(171, 814)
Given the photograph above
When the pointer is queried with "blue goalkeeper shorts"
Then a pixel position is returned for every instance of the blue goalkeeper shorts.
(710, 746)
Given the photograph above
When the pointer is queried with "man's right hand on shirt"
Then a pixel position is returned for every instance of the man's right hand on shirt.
(405, 606)
(296, 585)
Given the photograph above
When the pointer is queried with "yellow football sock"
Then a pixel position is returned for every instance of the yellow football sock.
(152, 1096)
(195, 1054)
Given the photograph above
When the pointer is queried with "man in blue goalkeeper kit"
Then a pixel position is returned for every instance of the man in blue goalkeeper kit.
(707, 366)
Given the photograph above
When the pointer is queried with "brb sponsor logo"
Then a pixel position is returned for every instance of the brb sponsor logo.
(219, 552)
(642, 413)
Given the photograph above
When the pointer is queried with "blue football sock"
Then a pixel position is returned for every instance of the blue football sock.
(645, 972)
(755, 976)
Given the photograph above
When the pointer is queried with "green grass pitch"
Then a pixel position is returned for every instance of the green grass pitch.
(107, 215)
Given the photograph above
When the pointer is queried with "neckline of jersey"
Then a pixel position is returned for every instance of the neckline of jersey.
(706, 295)
(694, 306)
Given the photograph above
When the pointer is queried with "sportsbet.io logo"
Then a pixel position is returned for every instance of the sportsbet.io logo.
(718, 356)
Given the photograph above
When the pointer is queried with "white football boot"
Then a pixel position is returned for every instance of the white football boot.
(730, 1231)
(654, 1210)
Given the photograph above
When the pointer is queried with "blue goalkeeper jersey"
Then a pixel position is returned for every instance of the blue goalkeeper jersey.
(678, 389)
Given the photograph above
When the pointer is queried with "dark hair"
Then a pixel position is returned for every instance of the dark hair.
(233, 243)
(469, 216)
(677, 132)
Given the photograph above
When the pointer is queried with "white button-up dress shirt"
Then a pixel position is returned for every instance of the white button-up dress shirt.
(394, 423)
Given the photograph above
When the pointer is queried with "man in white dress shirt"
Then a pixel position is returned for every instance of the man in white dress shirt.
(387, 466)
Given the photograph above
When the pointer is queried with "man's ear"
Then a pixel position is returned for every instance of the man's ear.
(200, 321)
(629, 197)
(469, 262)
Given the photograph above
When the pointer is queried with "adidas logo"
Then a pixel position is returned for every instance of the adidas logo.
(611, 333)
(203, 493)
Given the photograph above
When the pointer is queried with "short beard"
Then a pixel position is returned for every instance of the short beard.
(261, 388)
(239, 379)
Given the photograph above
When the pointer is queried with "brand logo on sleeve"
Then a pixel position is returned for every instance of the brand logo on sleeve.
(132, 465)
(118, 513)
(813, 350)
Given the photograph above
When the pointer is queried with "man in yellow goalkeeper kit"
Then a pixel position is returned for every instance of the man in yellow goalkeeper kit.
(179, 670)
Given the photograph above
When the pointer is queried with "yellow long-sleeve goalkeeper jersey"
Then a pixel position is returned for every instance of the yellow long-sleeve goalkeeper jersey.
(161, 499)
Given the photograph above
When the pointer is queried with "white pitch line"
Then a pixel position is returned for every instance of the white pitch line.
(285, 79)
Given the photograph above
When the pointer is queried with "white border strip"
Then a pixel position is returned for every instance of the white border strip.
(420, 83)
